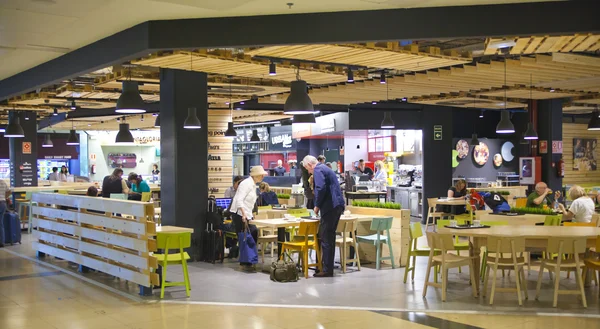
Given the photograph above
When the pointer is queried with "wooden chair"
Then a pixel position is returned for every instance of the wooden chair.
(500, 246)
(446, 261)
(347, 227)
(415, 233)
(485, 252)
(176, 241)
(458, 246)
(432, 214)
(380, 225)
(308, 235)
(592, 263)
(562, 246)
(265, 238)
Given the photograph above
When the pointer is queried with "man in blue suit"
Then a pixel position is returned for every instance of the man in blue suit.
(329, 202)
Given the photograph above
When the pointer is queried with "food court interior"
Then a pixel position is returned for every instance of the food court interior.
(489, 109)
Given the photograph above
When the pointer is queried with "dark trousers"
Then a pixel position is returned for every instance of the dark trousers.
(310, 204)
(239, 226)
(327, 228)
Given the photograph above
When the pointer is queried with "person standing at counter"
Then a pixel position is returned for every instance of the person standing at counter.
(279, 170)
(155, 170)
(582, 208)
(363, 169)
(329, 202)
(540, 197)
(54, 175)
(64, 172)
(114, 184)
(380, 174)
(243, 203)
(138, 186)
(459, 190)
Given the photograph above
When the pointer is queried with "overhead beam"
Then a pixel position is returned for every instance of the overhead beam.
(522, 19)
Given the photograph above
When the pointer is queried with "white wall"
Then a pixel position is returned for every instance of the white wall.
(351, 153)
(102, 143)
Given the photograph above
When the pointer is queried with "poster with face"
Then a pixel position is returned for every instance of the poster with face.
(584, 154)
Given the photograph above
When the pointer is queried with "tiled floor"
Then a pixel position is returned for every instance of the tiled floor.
(37, 297)
(368, 289)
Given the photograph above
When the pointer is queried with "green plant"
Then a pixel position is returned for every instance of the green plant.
(283, 196)
(375, 204)
(532, 210)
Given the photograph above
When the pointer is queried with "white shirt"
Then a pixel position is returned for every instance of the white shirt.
(583, 209)
(245, 198)
(380, 175)
(53, 176)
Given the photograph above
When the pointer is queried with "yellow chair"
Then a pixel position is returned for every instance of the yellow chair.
(64, 192)
(264, 208)
(446, 261)
(592, 263)
(302, 212)
(146, 196)
(521, 202)
(415, 233)
(500, 246)
(579, 224)
(347, 227)
(173, 241)
(307, 231)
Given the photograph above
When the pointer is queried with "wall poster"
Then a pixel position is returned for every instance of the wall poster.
(584, 154)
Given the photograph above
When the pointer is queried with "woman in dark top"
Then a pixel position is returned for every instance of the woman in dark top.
(459, 189)
(267, 197)
(155, 170)
(114, 184)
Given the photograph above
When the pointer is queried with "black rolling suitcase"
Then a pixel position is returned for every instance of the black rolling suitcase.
(12, 228)
(213, 245)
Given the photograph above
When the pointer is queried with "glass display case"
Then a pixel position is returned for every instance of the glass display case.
(4, 169)
(45, 167)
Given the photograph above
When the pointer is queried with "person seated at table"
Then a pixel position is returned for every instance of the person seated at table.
(230, 192)
(138, 186)
(114, 184)
(280, 169)
(380, 173)
(267, 197)
(363, 169)
(542, 196)
(92, 191)
(459, 190)
(582, 208)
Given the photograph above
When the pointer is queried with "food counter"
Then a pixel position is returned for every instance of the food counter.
(409, 197)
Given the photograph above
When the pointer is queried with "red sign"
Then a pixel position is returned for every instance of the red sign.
(26, 147)
(543, 147)
(557, 147)
(374, 156)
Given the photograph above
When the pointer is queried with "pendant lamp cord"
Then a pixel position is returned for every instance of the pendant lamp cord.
(230, 103)
(298, 72)
(505, 83)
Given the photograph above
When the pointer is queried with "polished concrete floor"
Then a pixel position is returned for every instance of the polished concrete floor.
(367, 289)
(34, 296)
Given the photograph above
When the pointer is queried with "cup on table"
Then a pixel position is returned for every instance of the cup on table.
(347, 213)
(476, 222)
(453, 223)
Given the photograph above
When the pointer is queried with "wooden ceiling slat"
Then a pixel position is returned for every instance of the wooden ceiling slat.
(583, 46)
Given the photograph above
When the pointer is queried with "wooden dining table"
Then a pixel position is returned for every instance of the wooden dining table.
(535, 236)
(452, 202)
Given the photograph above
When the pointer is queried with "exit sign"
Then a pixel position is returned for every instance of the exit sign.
(437, 133)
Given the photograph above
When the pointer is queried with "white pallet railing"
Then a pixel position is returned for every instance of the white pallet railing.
(87, 231)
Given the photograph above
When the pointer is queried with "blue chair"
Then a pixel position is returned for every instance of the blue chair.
(378, 239)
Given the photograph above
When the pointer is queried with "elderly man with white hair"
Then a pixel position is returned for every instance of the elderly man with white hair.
(540, 197)
(329, 202)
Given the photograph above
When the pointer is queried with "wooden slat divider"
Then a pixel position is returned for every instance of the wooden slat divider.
(87, 233)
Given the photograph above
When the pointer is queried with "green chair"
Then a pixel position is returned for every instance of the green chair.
(485, 252)
(173, 241)
(118, 196)
(458, 246)
(416, 232)
(380, 225)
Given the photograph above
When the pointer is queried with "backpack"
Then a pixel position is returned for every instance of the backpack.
(284, 270)
(496, 202)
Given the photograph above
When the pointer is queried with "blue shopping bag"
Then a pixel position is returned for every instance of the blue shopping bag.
(248, 250)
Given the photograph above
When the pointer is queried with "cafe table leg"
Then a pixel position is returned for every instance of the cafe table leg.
(280, 240)
(475, 253)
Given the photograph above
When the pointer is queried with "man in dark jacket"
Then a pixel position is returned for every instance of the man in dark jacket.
(329, 202)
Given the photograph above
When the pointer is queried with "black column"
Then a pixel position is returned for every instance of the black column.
(550, 129)
(437, 154)
(23, 151)
(184, 164)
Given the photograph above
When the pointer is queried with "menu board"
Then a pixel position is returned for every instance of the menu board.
(122, 160)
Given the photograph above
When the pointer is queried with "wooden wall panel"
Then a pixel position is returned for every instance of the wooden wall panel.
(570, 131)
(220, 172)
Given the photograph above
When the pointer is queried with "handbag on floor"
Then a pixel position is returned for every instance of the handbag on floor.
(284, 270)
(247, 247)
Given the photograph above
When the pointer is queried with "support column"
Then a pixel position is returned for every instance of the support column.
(550, 129)
(23, 152)
(437, 154)
(184, 164)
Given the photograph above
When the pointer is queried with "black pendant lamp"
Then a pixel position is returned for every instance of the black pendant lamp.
(594, 123)
(130, 100)
(124, 136)
(350, 75)
(298, 102)
(387, 122)
(192, 121)
(505, 126)
(272, 69)
(255, 137)
(47, 141)
(157, 122)
(523, 140)
(304, 118)
(530, 134)
(73, 139)
(73, 105)
(474, 140)
(230, 132)
(14, 129)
